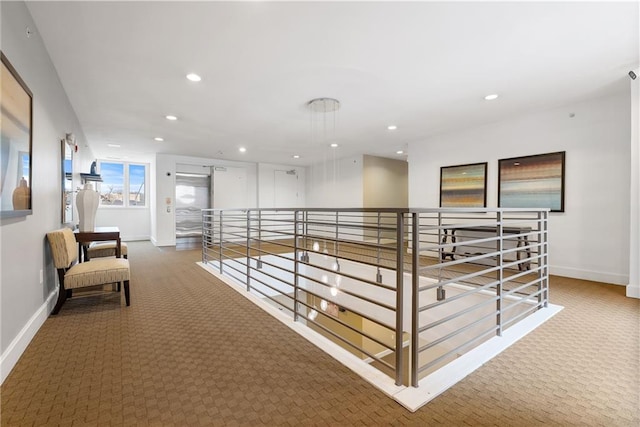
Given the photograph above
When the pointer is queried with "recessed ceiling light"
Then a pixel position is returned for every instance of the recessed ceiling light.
(171, 117)
(516, 163)
(392, 127)
(242, 149)
(491, 97)
(399, 152)
(296, 156)
(157, 138)
(333, 145)
(194, 77)
(114, 145)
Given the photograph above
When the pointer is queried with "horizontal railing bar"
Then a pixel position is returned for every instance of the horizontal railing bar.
(459, 296)
(522, 273)
(490, 331)
(360, 297)
(324, 328)
(459, 278)
(272, 276)
(519, 316)
(358, 312)
(272, 299)
(346, 325)
(525, 285)
(460, 261)
(457, 314)
(456, 332)
(350, 276)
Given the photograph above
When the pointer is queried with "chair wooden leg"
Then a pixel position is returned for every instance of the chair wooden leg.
(62, 294)
(126, 292)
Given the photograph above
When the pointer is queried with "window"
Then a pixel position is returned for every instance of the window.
(123, 184)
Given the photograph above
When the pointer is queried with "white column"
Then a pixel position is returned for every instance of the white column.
(633, 289)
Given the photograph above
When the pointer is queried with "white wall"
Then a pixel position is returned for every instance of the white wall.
(339, 186)
(164, 231)
(590, 239)
(633, 289)
(25, 302)
(267, 185)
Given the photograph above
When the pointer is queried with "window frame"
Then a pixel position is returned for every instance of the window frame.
(126, 184)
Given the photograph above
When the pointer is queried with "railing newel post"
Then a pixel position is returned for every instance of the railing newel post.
(248, 230)
(399, 295)
(296, 266)
(500, 230)
(220, 247)
(415, 281)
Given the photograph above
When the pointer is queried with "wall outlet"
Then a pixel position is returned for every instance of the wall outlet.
(41, 276)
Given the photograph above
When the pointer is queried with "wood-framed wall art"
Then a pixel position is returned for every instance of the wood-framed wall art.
(532, 181)
(16, 109)
(463, 186)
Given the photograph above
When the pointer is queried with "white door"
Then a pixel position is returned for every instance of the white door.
(230, 188)
(285, 193)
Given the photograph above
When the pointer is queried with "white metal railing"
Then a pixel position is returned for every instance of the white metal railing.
(439, 281)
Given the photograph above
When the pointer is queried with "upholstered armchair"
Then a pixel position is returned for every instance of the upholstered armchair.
(73, 275)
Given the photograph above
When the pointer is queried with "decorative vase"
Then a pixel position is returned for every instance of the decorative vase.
(20, 196)
(87, 202)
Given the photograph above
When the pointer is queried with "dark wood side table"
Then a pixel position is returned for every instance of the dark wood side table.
(98, 234)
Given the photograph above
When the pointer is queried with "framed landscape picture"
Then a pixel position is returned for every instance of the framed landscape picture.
(463, 186)
(532, 182)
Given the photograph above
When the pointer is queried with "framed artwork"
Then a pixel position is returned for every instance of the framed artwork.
(532, 182)
(16, 109)
(463, 186)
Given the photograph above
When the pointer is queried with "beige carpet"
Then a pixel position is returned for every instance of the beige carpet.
(190, 351)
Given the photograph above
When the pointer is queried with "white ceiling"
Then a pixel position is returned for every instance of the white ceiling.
(423, 66)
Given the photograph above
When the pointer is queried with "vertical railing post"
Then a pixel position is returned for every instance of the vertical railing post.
(378, 274)
(204, 240)
(415, 262)
(248, 227)
(500, 247)
(259, 264)
(399, 295)
(546, 257)
(540, 287)
(296, 265)
(220, 244)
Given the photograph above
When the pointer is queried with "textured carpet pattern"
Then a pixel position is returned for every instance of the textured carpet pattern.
(190, 351)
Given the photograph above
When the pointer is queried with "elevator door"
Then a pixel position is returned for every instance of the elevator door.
(192, 195)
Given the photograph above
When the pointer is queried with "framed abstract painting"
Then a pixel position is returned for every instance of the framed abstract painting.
(463, 186)
(532, 182)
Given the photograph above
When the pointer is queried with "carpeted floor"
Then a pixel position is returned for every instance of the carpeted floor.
(191, 351)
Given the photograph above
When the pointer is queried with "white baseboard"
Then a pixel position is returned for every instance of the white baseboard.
(596, 276)
(134, 238)
(633, 291)
(19, 344)
(162, 242)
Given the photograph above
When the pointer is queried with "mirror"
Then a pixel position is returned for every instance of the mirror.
(15, 146)
(67, 179)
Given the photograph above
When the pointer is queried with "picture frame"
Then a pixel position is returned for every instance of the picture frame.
(536, 181)
(463, 186)
(16, 164)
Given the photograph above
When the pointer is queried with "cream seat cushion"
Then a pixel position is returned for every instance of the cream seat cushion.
(97, 272)
(105, 249)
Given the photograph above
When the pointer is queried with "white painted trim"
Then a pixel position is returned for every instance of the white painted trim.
(633, 291)
(596, 276)
(432, 385)
(19, 344)
(444, 378)
(135, 238)
(370, 374)
(162, 243)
